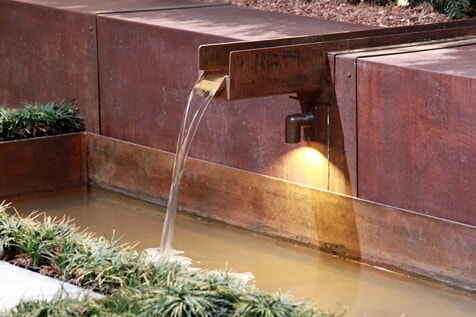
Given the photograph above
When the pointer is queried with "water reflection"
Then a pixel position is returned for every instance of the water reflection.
(278, 266)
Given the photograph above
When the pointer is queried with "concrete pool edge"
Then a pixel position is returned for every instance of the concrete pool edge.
(353, 228)
(22, 284)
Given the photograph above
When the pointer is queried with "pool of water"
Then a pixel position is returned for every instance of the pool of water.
(327, 281)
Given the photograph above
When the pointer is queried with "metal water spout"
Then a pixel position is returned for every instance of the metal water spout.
(300, 66)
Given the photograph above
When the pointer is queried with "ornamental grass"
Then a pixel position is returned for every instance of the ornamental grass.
(36, 120)
(132, 283)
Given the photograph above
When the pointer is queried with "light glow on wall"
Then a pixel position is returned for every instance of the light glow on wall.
(304, 165)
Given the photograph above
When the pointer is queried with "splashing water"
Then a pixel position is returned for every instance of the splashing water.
(198, 101)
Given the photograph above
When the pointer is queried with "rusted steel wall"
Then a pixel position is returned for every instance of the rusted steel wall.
(48, 49)
(41, 165)
(46, 55)
(350, 227)
(416, 132)
(342, 123)
(149, 63)
(148, 66)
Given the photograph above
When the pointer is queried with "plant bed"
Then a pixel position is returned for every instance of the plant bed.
(40, 148)
(37, 120)
(133, 284)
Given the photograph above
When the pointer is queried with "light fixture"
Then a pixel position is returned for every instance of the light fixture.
(294, 123)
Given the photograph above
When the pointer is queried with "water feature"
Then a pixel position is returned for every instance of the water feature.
(325, 280)
(198, 101)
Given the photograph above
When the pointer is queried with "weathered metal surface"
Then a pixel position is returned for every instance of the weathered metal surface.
(343, 175)
(146, 74)
(48, 55)
(148, 67)
(276, 71)
(48, 49)
(40, 165)
(416, 127)
(215, 57)
(294, 68)
(116, 6)
(342, 127)
(373, 233)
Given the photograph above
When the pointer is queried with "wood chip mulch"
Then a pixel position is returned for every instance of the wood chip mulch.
(341, 10)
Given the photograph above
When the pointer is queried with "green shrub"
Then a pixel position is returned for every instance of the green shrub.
(35, 120)
(454, 9)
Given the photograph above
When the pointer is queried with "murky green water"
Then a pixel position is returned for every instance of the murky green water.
(327, 281)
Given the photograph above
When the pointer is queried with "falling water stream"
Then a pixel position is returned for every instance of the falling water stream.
(200, 97)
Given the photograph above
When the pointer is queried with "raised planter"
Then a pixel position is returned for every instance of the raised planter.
(346, 226)
(41, 164)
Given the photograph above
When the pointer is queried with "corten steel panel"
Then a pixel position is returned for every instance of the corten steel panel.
(343, 174)
(286, 67)
(416, 127)
(148, 64)
(40, 164)
(48, 49)
(215, 57)
(354, 228)
(109, 6)
(48, 55)
(342, 123)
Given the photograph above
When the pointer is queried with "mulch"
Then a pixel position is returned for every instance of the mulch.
(341, 10)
